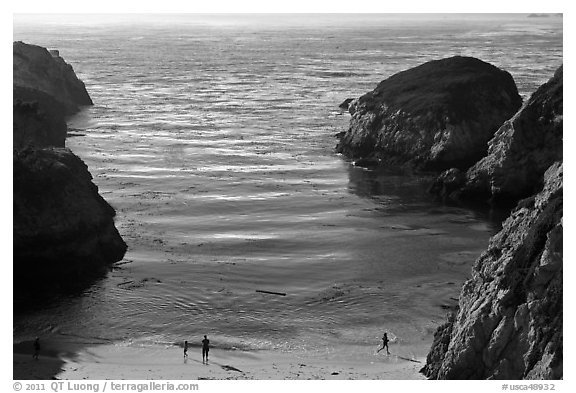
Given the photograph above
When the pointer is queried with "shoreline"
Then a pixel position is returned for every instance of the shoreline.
(123, 361)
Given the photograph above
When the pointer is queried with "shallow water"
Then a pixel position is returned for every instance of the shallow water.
(215, 144)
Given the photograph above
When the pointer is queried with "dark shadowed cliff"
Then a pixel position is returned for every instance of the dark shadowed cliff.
(36, 68)
(64, 233)
(63, 230)
(510, 320)
(435, 116)
(38, 119)
(45, 91)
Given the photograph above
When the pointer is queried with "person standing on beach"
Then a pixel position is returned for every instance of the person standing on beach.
(36, 348)
(205, 349)
(185, 349)
(385, 343)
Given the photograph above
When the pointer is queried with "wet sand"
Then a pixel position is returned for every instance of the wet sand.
(167, 363)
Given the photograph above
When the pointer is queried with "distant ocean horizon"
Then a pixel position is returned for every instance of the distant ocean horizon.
(213, 138)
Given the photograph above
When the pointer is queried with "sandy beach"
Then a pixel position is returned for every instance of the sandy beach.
(125, 362)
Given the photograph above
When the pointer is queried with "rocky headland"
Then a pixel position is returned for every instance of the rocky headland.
(63, 230)
(510, 320)
(464, 117)
(520, 152)
(45, 91)
(64, 233)
(436, 116)
(38, 69)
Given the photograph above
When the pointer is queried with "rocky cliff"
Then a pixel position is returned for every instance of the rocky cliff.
(438, 115)
(63, 231)
(510, 320)
(36, 68)
(38, 120)
(45, 91)
(521, 150)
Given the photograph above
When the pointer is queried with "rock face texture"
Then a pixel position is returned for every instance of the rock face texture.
(45, 91)
(509, 324)
(38, 120)
(438, 115)
(36, 68)
(64, 233)
(449, 181)
(345, 104)
(522, 149)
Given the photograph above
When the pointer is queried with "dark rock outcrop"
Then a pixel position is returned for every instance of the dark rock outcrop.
(367, 163)
(521, 150)
(438, 115)
(38, 120)
(439, 348)
(64, 233)
(510, 320)
(63, 230)
(37, 69)
(448, 182)
(45, 91)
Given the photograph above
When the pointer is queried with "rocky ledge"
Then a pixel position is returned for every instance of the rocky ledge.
(521, 150)
(63, 230)
(510, 321)
(438, 115)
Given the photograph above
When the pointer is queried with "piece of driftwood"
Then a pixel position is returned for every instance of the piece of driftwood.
(412, 360)
(270, 292)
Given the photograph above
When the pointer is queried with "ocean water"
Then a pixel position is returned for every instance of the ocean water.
(213, 137)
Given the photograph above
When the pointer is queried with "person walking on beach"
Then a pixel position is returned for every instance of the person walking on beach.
(205, 349)
(385, 343)
(36, 348)
(185, 349)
